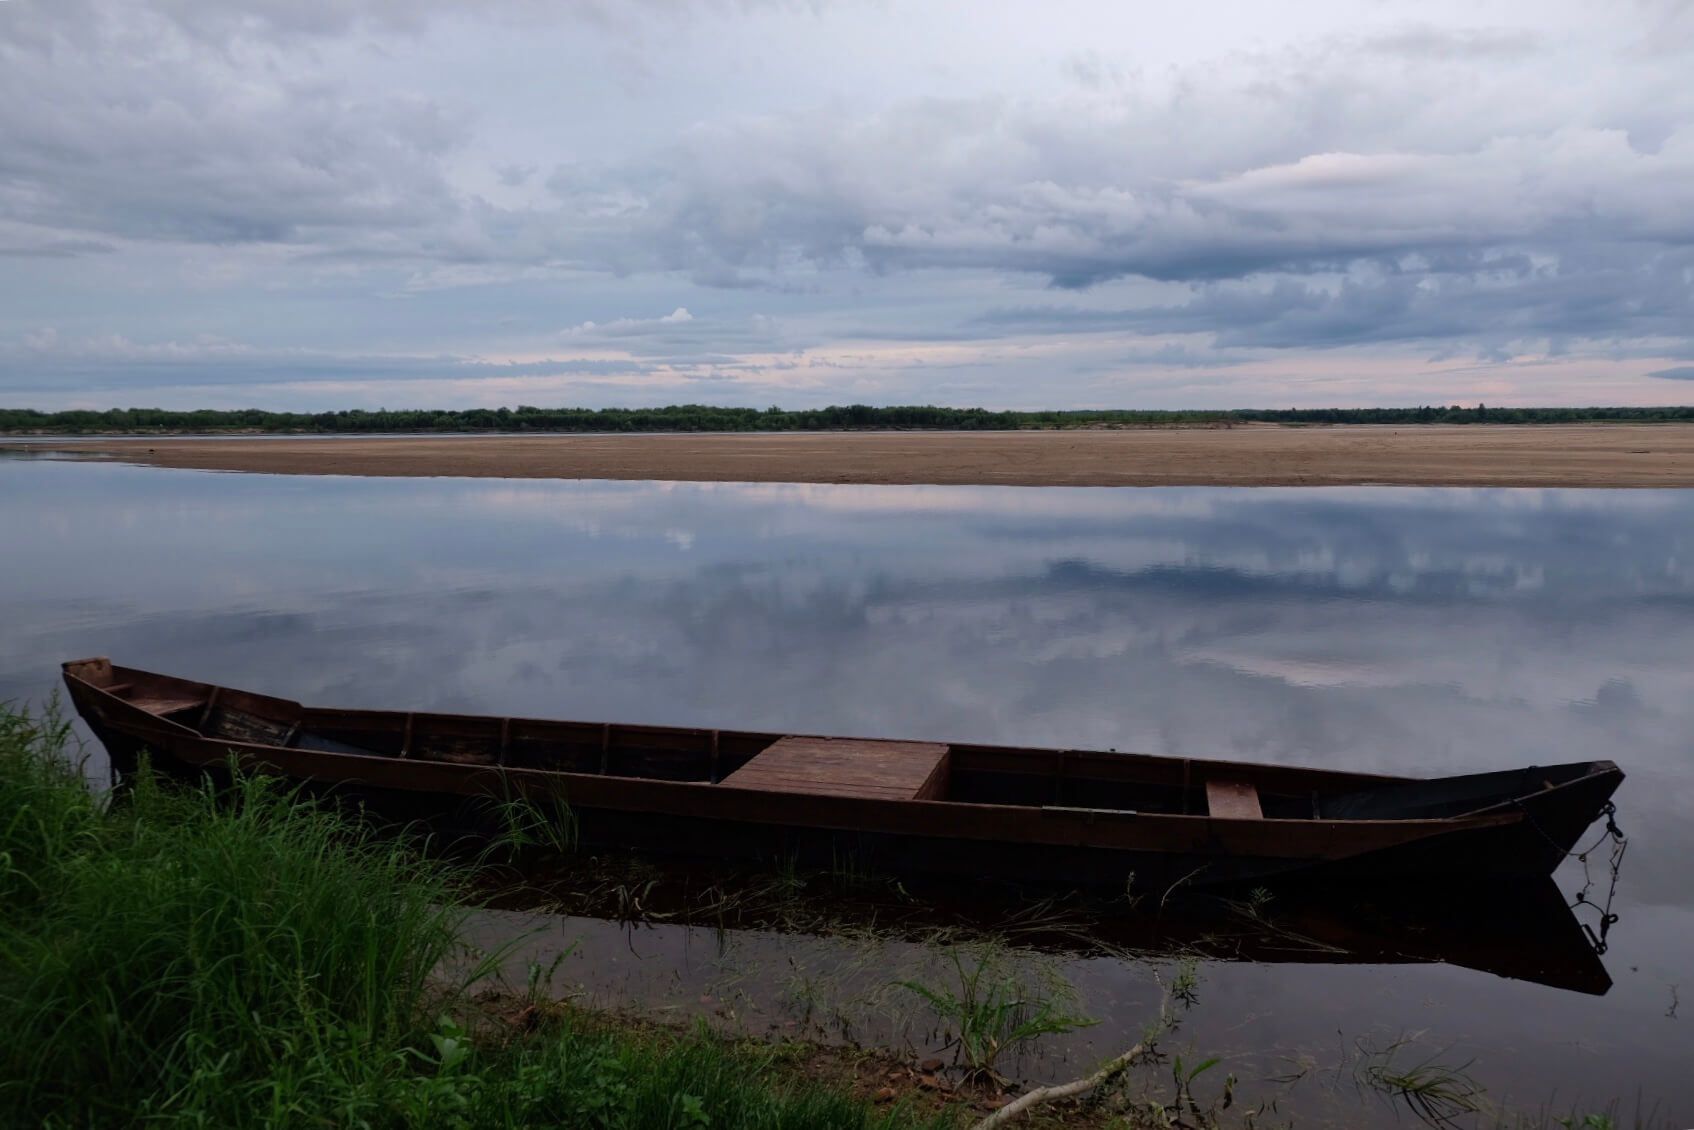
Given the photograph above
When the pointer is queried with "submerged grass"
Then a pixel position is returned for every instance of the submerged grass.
(240, 958)
(989, 1008)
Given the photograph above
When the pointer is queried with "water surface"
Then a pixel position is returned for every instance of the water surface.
(1416, 631)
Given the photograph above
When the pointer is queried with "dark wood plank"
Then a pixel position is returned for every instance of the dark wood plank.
(163, 706)
(1233, 800)
(852, 767)
(238, 725)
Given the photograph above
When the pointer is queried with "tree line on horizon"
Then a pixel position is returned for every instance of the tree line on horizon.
(709, 418)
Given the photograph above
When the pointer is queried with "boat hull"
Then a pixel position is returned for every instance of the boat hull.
(964, 824)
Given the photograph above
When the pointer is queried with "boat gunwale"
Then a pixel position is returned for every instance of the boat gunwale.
(1351, 778)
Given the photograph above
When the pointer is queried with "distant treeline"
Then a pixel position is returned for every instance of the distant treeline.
(706, 418)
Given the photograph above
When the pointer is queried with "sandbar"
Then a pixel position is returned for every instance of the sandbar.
(1579, 455)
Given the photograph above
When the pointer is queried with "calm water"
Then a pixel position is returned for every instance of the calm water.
(1398, 630)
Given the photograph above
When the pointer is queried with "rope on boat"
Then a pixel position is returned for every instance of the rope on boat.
(1620, 844)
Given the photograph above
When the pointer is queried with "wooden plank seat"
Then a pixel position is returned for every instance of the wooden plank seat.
(848, 767)
(1233, 800)
(155, 700)
(167, 705)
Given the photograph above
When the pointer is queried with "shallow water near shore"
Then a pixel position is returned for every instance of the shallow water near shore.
(1402, 630)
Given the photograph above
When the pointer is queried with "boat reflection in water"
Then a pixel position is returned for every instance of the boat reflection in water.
(1523, 931)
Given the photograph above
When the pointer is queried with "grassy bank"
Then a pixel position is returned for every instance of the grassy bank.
(183, 960)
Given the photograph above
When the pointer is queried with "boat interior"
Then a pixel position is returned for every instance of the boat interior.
(851, 767)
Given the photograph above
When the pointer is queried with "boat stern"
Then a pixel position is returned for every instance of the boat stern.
(95, 672)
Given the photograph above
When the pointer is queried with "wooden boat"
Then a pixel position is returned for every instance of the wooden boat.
(1076, 816)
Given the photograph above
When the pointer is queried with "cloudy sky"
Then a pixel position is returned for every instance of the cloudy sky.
(340, 203)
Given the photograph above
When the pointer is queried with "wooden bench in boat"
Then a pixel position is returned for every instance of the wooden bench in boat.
(849, 767)
(1233, 800)
(160, 704)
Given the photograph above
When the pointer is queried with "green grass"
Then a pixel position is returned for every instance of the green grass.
(988, 1008)
(190, 953)
(583, 1074)
(185, 958)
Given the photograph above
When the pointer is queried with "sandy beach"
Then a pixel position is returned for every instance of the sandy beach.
(1593, 455)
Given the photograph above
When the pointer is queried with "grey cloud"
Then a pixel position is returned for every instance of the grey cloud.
(1680, 373)
(139, 373)
(56, 249)
(198, 151)
(1303, 199)
(298, 17)
(1571, 234)
(1429, 42)
(220, 23)
(1079, 193)
(1480, 299)
(513, 175)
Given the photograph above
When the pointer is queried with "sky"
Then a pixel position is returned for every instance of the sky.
(315, 204)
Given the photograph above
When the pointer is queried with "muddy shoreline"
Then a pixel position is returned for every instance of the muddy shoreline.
(1577, 455)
